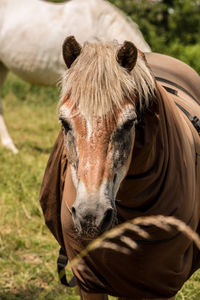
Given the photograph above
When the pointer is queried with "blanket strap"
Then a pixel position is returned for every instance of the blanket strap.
(61, 264)
(176, 86)
(193, 119)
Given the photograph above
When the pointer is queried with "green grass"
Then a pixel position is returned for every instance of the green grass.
(28, 251)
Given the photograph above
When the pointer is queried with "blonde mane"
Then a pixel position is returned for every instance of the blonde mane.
(97, 83)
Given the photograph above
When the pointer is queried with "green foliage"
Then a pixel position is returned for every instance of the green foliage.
(184, 21)
(189, 54)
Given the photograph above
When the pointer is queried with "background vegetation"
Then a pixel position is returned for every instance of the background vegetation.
(28, 252)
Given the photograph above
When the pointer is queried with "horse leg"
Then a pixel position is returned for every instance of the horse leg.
(4, 135)
(87, 296)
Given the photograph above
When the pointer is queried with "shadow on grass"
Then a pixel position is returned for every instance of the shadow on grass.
(37, 293)
(16, 294)
(30, 146)
(42, 150)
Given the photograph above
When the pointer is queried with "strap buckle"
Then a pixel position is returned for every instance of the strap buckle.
(196, 123)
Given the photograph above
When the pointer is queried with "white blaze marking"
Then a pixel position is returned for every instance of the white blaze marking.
(65, 112)
(127, 113)
(74, 176)
(89, 129)
(81, 191)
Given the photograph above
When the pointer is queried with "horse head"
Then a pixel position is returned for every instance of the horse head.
(98, 110)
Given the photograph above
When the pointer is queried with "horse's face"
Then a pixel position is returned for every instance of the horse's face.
(99, 150)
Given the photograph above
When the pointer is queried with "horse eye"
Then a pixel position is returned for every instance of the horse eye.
(129, 124)
(65, 125)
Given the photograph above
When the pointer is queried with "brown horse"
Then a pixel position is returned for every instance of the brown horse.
(131, 148)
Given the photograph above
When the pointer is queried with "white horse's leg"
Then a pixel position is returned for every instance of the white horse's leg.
(4, 135)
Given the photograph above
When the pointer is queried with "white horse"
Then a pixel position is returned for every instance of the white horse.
(32, 32)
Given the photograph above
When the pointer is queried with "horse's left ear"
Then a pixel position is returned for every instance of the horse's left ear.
(127, 55)
(71, 50)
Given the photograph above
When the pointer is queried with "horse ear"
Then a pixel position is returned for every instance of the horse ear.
(127, 55)
(71, 50)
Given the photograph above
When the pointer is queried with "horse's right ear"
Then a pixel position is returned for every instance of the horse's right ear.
(71, 50)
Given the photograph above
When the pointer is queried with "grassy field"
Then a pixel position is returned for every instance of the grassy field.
(28, 252)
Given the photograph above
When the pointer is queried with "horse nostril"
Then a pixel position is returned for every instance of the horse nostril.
(73, 211)
(107, 220)
(114, 179)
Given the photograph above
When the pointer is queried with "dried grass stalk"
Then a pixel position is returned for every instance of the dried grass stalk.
(159, 221)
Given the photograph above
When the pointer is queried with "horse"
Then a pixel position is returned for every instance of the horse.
(129, 146)
(32, 32)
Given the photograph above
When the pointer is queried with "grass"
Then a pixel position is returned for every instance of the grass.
(28, 251)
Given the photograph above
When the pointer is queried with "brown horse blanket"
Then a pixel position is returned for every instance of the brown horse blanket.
(163, 178)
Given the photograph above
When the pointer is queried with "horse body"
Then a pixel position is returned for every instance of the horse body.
(32, 33)
(35, 33)
(114, 165)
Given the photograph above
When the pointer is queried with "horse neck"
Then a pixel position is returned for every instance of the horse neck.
(4, 5)
(156, 135)
(13, 4)
(148, 158)
(113, 24)
(9, 5)
(146, 148)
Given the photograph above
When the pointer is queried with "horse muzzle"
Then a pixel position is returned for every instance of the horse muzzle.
(90, 221)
